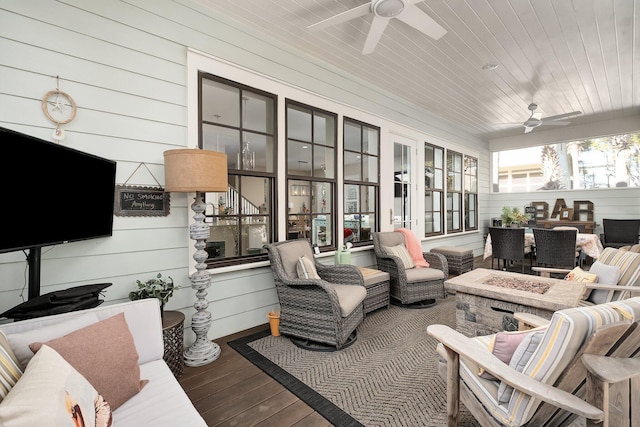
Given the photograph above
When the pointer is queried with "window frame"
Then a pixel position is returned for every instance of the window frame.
(238, 174)
(432, 188)
(362, 184)
(313, 180)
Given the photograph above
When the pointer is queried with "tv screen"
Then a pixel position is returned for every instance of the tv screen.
(53, 194)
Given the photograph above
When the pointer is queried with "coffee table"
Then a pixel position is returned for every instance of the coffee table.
(487, 299)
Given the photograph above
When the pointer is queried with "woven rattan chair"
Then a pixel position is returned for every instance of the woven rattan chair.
(417, 287)
(620, 232)
(317, 314)
(556, 248)
(507, 244)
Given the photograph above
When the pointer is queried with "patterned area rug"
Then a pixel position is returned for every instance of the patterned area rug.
(388, 377)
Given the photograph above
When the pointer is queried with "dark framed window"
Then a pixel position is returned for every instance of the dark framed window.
(240, 121)
(470, 193)
(433, 190)
(311, 178)
(361, 172)
(454, 191)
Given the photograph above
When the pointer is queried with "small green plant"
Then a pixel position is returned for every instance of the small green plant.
(513, 216)
(157, 287)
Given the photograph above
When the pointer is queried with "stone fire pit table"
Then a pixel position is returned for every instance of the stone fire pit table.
(487, 299)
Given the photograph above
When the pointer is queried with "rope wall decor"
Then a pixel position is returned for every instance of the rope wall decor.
(60, 108)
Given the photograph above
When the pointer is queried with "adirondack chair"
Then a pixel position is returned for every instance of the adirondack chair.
(583, 353)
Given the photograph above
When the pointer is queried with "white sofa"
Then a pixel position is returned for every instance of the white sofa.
(162, 401)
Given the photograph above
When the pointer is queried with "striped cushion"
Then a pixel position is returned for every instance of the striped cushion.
(306, 268)
(401, 252)
(10, 371)
(564, 336)
(629, 264)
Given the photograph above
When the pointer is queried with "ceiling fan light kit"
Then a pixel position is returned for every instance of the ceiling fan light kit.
(388, 8)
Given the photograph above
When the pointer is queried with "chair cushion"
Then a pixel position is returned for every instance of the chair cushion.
(349, 297)
(423, 275)
(290, 252)
(306, 268)
(401, 252)
(607, 275)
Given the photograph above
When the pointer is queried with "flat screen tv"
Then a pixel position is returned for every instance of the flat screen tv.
(52, 194)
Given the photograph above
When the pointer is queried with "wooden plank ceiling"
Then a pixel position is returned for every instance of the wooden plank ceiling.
(579, 55)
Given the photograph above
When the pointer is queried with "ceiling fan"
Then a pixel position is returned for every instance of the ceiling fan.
(536, 119)
(383, 11)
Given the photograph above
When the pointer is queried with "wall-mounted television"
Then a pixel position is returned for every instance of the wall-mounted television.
(52, 194)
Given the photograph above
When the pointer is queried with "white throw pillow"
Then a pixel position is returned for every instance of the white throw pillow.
(519, 360)
(51, 393)
(607, 275)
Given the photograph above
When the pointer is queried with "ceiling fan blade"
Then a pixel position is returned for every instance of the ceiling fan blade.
(528, 129)
(537, 115)
(342, 17)
(561, 116)
(415, 17)
(375, 32)
(554, 123)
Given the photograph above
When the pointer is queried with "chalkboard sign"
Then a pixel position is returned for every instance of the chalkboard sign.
(141, 201)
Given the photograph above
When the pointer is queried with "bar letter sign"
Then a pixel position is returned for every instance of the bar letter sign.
(141, 201)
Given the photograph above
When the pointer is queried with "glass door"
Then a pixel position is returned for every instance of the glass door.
(403, 183)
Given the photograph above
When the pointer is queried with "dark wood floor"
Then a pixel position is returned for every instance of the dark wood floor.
(231, 391)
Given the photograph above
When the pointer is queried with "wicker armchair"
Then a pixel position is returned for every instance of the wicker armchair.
(317, 314)
(507, 244)
(556, 248)
(418, 287)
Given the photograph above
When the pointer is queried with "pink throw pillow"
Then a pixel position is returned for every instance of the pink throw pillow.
(503, 345)
(105, 354)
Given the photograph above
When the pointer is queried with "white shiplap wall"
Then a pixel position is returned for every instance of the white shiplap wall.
(125, 64)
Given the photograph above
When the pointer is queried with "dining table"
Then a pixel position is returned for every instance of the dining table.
(590, 244)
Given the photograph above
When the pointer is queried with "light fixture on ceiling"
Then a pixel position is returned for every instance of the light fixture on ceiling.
(246, 157)
(490, 66)
(388, 8)
(197, 171)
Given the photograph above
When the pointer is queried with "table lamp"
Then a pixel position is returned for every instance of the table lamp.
(197, 171)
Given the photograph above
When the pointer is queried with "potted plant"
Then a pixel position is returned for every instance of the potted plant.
(513, 216)
(157, 287)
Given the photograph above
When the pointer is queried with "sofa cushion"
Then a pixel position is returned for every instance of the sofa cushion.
(20, 341)
(401, 252)
(10, 371)
(629, 264)
(105, 354)
(51, 393)
(415, 275)
(290, 252)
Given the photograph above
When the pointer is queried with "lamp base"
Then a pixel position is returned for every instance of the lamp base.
(201, 355)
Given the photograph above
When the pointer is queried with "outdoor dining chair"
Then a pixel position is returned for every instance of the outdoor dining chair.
(508, 245)
(556, 248)
(620, 232)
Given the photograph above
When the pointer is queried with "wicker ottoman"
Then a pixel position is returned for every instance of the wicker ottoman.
(377, 284)
(460, 260)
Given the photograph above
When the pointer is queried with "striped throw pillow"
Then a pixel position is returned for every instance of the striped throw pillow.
(306, 268)
(401, 252)
(10, 371)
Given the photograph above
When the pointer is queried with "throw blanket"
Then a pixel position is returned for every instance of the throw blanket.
(414, 247)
